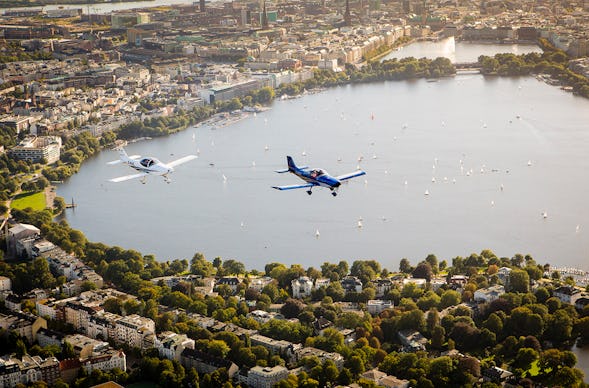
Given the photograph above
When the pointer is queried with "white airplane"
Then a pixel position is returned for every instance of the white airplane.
(147, 166)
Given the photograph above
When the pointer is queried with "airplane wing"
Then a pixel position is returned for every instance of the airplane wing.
(120, 161)
(351, 175)
(181, 160)
(293, 186)
(127, 177)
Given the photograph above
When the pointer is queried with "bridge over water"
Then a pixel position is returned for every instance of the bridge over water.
(467, 67)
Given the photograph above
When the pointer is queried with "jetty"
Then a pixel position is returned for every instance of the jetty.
(71, 205)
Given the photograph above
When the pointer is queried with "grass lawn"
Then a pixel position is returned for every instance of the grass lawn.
(534, 370)
(32, 200)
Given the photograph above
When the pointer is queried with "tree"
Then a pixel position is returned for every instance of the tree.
(67, 351)
(292, 308)
(450, 298)
(428, 301)
(423, 271)
(438, 337)
(440, 370)
(345, 377)
(405, 266)
(355, 365)
(200, 266)
(494, 324)
(432, 260)
(519, 281)
(525, 357)
(265, 95)
(465, 336)
(233, 267)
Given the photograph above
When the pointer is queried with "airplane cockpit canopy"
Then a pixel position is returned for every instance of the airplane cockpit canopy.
(317, 172)
(148, 162)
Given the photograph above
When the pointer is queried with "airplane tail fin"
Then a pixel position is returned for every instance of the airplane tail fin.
(123, 154)
(123, 157)
(291, 164)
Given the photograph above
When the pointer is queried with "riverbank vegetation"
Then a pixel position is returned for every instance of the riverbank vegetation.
(526, 329)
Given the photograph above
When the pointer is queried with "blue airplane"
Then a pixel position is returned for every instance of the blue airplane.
(315, 177)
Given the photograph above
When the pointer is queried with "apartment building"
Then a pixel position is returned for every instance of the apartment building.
(170, 345)
(27, 370)
(133, 330)
(266, 377)
(37, 149)
(26, 325)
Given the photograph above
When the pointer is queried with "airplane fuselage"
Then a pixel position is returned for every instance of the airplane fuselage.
(323, 180)
(150, 166)
(315, 177)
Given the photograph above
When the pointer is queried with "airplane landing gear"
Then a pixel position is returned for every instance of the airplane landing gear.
(309, 192)
(143, 180)
(334, 193)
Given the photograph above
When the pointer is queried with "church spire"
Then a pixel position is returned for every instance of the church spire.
(264, 17)
(347, 16)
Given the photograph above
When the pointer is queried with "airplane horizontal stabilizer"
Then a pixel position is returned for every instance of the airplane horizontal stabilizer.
(287, 170)
(351, 175)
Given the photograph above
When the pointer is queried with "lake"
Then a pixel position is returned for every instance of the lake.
(502, 151)
(458, 52)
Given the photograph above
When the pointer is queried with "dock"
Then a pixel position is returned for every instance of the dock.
(71, 205)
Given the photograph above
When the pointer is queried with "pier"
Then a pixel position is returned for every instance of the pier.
(71, 205)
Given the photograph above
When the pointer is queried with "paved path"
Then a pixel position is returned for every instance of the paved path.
(49, 196)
